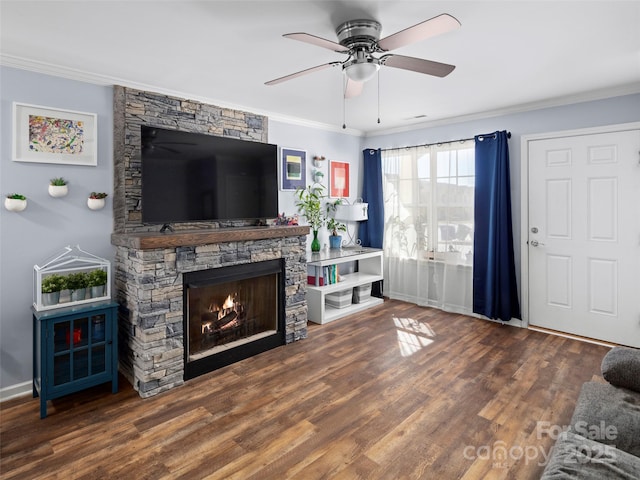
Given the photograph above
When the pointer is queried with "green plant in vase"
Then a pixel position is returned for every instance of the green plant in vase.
(309, 203)
(51, 287)
(97, 281)
(77, 283)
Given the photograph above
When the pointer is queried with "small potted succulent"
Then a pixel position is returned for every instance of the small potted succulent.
(96, 200)
(51, 288)
(15, 202)
(334, 226)
(58, 187)
(97, 282)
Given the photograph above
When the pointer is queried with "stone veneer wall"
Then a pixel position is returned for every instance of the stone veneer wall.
(148, 283)
(133, 108)
(149, 288)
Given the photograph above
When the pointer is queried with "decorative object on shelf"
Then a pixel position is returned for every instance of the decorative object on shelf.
(334, 226)
(283, 219)
(356, 212)
(339, 179)
(309, 203)
(51, 288)
(318, 160)
(15, 202)
(317, 175)
(78, 283)
(97, 282)
(72, 270)
(58, 187)
(292, 168)
(47, 135)
(96, 200)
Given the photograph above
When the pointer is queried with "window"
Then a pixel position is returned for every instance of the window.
(429, 195)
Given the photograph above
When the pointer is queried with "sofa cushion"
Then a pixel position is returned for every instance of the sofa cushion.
(609, 415)
(621, 367)
(576, 457)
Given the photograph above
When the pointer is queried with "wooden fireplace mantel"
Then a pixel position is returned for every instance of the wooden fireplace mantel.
(187, 238)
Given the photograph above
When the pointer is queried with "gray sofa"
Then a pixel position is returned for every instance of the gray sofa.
(603, 439)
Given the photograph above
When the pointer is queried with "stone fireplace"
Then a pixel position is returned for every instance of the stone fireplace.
(232, 313)
(150, 271)
(150, 266)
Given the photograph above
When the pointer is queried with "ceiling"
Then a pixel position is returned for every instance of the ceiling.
(510, 55)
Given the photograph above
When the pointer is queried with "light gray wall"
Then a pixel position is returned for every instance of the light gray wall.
(332, 145)
(48, 224)
(615, 110)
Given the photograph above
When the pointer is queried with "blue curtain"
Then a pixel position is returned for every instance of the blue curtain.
(495, 292)
(371, 231)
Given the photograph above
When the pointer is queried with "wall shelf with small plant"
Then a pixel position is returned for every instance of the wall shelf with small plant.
(58, 187)
(96, 200)
(15, 202)
(71, 277)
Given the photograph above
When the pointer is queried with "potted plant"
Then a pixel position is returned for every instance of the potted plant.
(51, 288)
(334, 226)
(96, 200)
(58, 187)
(77, 283)
(15, 202)
(309, 203)
(97, 281)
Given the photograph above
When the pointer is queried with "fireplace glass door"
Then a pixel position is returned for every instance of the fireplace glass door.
(231, 308)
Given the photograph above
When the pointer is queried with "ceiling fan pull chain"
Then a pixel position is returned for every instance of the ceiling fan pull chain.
(378, 96)
(344, 102)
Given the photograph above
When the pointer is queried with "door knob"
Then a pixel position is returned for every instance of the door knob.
(535, 243)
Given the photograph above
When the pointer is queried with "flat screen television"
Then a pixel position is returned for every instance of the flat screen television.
(195, 177)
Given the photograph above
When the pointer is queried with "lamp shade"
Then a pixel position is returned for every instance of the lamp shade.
(352, 213)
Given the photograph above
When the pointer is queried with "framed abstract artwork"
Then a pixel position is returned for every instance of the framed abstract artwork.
(292, 168)
(48, 135)
(338, 179)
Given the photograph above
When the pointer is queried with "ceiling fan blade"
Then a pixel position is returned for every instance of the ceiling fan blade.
(429, 28)
(352, 88)
(317, 41)
(419, 65)
(302, 72)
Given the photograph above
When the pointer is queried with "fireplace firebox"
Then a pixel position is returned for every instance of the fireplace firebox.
(232, 313)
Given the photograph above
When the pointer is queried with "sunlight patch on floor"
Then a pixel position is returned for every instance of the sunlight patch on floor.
(413, 335)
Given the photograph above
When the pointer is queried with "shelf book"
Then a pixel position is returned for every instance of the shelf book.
(323, 275)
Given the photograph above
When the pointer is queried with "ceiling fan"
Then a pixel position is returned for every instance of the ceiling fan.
(360, 40)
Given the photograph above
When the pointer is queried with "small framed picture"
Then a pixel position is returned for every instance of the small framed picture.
(48, 135)
(293, 173)
(339, 179)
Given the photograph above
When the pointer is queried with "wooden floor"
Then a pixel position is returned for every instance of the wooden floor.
(396, 392)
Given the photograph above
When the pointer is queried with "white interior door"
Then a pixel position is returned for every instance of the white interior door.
(584, 235)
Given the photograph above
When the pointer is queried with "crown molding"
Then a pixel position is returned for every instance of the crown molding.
(588, 96)
(107, 80)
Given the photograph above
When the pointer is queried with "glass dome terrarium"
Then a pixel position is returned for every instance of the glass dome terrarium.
(71, 277)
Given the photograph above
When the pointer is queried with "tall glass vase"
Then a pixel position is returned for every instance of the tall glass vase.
(315, 244)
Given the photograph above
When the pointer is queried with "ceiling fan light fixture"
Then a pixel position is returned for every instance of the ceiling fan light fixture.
(361, 72)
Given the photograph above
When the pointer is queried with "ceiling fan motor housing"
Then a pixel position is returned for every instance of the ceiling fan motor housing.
(358, 34)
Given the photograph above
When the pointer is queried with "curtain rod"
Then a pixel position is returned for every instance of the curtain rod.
(461, 140)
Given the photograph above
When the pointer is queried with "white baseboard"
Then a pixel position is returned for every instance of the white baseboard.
(14, 391)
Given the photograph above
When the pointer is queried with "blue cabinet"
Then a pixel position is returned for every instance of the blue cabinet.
(74, 348)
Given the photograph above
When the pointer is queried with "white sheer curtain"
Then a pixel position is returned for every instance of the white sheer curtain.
(428, 233)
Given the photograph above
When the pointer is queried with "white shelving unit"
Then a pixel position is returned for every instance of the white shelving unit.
(369, 269)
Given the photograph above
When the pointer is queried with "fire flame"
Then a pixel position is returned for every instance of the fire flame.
(228, 303)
